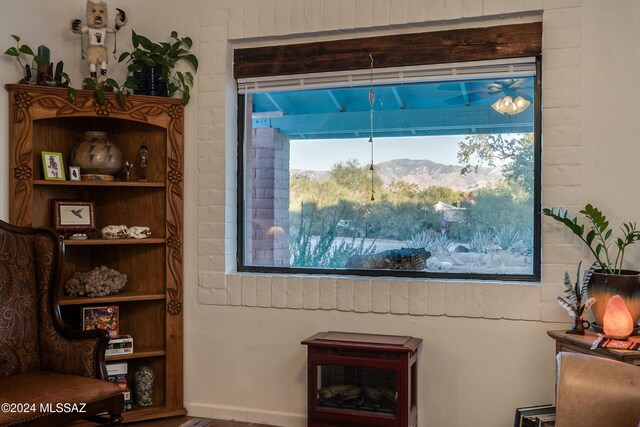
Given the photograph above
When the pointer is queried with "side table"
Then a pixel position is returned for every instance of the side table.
(582, 344)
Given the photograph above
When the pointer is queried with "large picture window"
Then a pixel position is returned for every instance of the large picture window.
(422, 171)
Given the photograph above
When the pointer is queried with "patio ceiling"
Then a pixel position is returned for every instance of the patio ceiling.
(441, 108)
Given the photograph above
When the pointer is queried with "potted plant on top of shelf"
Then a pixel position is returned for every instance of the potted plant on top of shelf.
(152, 65)
(609, 278)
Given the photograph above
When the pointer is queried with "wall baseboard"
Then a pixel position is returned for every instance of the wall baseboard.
(247, 415)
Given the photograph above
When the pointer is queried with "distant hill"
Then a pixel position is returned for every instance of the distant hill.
(424, 173)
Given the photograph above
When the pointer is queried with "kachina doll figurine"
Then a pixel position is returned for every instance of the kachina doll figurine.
(96, 28)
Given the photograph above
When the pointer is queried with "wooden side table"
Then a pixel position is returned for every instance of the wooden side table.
(582, 344)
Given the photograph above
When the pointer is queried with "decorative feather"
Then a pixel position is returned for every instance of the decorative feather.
(585, 280)
(566, 306)
(588, 303)
(569, 291)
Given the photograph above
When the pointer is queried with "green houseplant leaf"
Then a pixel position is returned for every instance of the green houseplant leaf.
(147, 53)
(599, 237)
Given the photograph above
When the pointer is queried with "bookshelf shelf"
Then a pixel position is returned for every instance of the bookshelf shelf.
(125, 296)
(107, 242)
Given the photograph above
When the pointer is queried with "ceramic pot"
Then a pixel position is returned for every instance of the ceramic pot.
(149, 82)
(96, 155)
(604, 286)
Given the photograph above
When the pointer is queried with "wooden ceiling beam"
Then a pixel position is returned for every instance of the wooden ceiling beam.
(437, 47)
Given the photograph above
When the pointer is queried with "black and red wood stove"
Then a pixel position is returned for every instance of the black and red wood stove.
(357, 380)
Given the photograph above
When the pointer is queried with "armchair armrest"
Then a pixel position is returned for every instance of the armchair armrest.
(63, 350)
(594, 392)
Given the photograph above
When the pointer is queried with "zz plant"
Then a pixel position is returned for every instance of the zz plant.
(166, 55)
(598, 236)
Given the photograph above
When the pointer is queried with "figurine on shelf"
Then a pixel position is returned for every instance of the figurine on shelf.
(574, 303)
(127, 169)
(144, 156)
(97, 30)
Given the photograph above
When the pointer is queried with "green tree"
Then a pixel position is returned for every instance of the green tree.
(506, 205)
(356, 179)
(516, 156)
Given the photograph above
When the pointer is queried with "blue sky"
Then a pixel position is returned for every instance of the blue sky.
(322, 154)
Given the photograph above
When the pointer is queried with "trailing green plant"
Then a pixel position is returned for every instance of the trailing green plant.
(24, 52)
(599, 238)
(166, 55)
(122, 91)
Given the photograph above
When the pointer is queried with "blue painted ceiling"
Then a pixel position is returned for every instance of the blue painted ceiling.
(440, 108)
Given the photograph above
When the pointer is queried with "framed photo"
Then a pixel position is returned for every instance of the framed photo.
(69, 215)
(74, 173)
(53, 166)
(529, 415)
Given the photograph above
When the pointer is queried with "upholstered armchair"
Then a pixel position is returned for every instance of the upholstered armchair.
(45, 368)
(596, 392)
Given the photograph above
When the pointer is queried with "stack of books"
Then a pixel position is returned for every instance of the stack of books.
(108, 318)
(117, 374)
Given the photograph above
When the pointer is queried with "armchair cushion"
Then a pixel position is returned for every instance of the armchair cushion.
(44, 388)
(596, 392)
(42, 361)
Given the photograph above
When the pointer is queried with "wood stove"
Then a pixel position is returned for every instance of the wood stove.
(357, 380)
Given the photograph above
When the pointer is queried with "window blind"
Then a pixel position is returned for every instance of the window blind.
(474, 70)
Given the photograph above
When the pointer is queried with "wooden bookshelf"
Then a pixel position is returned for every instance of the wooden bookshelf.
(45, 119)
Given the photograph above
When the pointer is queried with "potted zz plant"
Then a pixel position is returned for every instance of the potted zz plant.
(152, 65)
(609, 278)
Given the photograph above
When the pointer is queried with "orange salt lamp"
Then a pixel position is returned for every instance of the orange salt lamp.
(617, 321)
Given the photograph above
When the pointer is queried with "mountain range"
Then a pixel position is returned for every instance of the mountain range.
(424, 174)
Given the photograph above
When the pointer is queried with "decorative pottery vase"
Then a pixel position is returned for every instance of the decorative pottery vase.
(99, 159)
(604, 286)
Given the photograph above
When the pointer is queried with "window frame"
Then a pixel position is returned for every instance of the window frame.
(535, 276)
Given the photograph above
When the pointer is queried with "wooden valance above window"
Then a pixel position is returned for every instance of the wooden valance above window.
(472, 44)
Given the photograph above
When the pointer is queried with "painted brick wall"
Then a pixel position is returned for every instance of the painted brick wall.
(225, 24)
(269, 204)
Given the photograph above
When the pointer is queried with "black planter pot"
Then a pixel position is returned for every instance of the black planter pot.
(604, 286)
(149, 82)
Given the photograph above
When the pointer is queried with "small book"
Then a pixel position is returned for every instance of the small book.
(106, 318)
(122, 344)
(117, 368)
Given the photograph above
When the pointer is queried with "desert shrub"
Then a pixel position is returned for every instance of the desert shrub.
(507, 237)
(438, 244)
(482, 242)
(419, 240)
(323, 250)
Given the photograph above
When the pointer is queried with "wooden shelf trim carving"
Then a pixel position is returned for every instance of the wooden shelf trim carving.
(37, 102)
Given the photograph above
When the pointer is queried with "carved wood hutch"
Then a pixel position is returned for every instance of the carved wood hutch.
(46, 119)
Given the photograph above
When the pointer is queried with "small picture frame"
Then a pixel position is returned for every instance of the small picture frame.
(74, 173)
(525, 415)
(53, 166)
(73, 215)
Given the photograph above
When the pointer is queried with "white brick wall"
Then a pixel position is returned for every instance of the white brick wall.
(251, 22)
